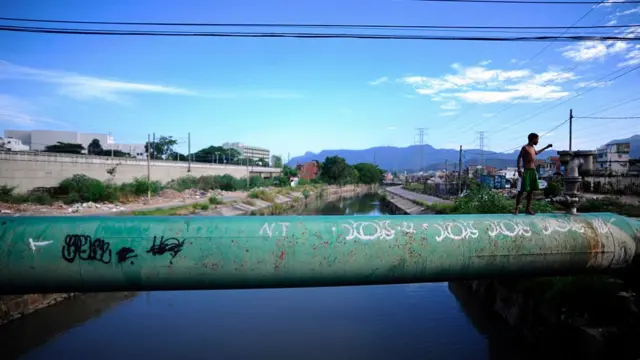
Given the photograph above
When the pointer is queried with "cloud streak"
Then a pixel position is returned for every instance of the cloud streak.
(379, 81)
(81, 87)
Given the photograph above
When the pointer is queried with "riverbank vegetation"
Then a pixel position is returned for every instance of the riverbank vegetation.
(82, 188)
(481, 200)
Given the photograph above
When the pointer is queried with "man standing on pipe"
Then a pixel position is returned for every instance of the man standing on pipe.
(528, 181)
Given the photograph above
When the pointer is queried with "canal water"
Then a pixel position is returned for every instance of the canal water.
(421, 321)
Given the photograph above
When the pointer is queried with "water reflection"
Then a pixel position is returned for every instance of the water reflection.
(365, 205)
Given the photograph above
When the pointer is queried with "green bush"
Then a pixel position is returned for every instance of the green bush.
(263, 195)
(214, 200)
(201, 206)
(554, 188)
(140, 187)
(281, 181)
(185, 183)
(40, 199)
(84, 188)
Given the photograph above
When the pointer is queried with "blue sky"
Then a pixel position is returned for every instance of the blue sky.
(297, 95)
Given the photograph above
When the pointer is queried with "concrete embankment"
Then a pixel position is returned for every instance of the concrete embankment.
(402, 201)
(15, 306)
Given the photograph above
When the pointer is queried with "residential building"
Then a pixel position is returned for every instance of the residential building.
(548, 167)
(613, 158)
(248, 151)
(308, 170)
(38, 140)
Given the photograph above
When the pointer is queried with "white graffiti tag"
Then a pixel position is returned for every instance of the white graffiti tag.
(267, 229)
(508, 228)
(561, 226)
(456, 230)
(34, 244)
(601, 226)
(407, 227)
(369, 230)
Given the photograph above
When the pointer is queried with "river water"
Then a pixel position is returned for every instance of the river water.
(420, 321)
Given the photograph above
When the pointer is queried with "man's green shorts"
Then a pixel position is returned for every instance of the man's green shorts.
(529, 181)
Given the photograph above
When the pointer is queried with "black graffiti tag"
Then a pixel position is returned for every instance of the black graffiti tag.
(85, 248)
(125, 253)
(163, 245)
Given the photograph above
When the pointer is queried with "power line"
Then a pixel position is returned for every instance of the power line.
(311, 35)
(326, 26)
(530, 2)
(540, 52)
(571, 98)
(607, 118)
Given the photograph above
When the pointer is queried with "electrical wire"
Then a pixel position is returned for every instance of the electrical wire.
(606, 118)
(530, 2)
(323, 26)
(310, 35)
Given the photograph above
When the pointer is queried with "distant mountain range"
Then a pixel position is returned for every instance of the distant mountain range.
(408, 158)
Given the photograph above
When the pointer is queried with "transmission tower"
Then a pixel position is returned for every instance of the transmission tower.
(481, 139)
(420, 142)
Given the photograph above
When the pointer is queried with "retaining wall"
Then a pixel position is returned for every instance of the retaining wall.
(29, 170)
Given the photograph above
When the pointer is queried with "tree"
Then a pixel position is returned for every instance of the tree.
(289, 172)
(94, 147)
(262, 162)
(335, 170)
(276, 161)
(161, 148)
(63, 147)
(218, 154)
(369, 173)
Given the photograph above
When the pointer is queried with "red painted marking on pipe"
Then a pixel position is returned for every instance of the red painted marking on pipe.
(282, 253)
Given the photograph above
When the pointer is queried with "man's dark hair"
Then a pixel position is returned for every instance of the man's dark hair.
(532, 136)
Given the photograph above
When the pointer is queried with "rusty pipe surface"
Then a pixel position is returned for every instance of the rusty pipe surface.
(92, 254)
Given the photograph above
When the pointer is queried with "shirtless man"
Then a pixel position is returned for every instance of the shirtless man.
(528, 179)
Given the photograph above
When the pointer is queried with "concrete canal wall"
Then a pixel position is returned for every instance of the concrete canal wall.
(29, 170)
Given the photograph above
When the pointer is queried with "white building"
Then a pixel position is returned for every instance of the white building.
(613, 158)
(38, 140)
(252, 152)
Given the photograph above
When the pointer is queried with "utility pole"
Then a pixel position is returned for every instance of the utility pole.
(189, 151)
(153, 146)
(460, 173)
(570, 129)
(149, 167)
(111, 145)
(446, 178)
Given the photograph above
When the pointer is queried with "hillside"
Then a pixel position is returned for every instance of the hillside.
(408, 158)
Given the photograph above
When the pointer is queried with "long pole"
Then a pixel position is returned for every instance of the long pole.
(111, 145)
(153, 146)
(460, 172)
(149, 167)
(446, 178)
(570, 129)
(189, 150)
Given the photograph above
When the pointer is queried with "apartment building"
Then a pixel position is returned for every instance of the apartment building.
(613, 158)
(248, 151)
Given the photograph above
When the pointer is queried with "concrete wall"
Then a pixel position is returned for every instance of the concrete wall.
(28, 170)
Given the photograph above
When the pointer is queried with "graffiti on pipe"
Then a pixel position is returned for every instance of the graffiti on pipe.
(170, 245)
(126, 253)
(267, 229)
(34, 244)
(447, 230)
(508, 228)
(83, 247)
(456, 230)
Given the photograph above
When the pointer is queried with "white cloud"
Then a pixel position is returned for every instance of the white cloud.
(593, 50)
(482, 85)
(86, 87)
(632, 57)
(449, 105)
(612, 22)
(21, 113)
(629, 12)
(448, 113)
(484, 63)
(82, 87)
(379, 81)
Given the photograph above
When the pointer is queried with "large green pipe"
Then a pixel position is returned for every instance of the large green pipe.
(86, 254)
